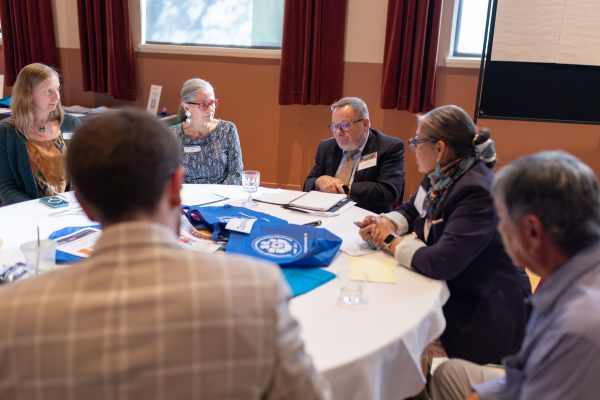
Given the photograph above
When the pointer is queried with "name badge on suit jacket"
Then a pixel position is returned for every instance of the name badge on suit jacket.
(367, 161)
(191, 149)
(419, 199)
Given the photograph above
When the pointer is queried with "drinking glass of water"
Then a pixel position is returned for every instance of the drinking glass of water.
(251, 182)
(352, 289)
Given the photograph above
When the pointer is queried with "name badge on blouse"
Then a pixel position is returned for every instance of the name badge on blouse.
(191, 149)
(367, 161)
(419, 199)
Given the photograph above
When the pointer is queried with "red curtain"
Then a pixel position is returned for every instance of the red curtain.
(27, 35)
(312, 52)
(409, 63)
(107, 54)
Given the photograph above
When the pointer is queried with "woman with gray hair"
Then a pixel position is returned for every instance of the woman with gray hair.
(447, 231)
(211, 150)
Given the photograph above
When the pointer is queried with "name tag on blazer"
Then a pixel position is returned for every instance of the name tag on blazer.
(191, 149)
(419, 199)
(367, 161)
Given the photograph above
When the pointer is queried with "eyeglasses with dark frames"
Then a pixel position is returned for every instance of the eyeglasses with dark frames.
(414, 141)
(204, 105)
(344, 126)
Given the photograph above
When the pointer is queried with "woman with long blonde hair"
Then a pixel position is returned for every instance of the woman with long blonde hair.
(32, 146)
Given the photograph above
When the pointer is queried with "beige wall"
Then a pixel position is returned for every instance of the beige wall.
(281, 141)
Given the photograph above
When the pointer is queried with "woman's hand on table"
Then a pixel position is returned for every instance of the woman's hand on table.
(375, 229)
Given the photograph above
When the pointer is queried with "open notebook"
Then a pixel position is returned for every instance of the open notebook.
(319, 201)
(316, 203)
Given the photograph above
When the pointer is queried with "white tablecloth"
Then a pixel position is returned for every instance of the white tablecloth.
(368, 353)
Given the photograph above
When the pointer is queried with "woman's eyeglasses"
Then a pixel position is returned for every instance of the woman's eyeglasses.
(414, 141)
(204, 105)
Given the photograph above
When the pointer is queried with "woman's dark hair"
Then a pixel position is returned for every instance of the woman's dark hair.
(484, 145)
(452, 125)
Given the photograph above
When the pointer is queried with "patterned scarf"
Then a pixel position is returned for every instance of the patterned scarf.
(441, 179)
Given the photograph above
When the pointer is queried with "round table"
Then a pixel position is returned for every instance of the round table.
(371, 352)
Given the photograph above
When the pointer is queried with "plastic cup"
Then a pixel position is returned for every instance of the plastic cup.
(39, 259)
(352, 285)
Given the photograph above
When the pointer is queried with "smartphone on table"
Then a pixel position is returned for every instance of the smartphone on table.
(54, 202)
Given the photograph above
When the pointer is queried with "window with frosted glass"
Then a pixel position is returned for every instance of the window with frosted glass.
(223, 23)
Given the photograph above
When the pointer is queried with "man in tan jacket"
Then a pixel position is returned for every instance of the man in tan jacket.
(143, 317)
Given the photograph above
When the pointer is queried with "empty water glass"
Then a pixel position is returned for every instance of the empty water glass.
(352, 285)
(251, 182)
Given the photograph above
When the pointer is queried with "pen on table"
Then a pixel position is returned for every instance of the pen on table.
(313, 223)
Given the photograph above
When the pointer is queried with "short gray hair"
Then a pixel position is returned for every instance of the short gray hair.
(190, 88)
(358, 106)
(559, 189)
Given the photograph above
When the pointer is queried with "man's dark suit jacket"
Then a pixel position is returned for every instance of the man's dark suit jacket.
(376, 188)
(487, 311)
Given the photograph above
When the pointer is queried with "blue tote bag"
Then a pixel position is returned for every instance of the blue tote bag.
(293, 246)
(215, 218)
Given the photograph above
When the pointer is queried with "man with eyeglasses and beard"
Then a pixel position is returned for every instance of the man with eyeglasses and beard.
(358, 160)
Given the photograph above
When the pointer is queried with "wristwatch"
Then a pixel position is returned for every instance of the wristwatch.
(388, 241)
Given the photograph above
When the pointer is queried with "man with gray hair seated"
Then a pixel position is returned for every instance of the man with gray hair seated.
(549, 210)
(358, 160)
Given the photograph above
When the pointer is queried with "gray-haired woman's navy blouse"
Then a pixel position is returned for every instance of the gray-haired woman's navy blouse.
(213, 159)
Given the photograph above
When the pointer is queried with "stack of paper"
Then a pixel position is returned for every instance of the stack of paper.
(380, 270)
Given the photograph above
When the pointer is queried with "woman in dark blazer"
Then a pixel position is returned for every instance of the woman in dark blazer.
(447, 231)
